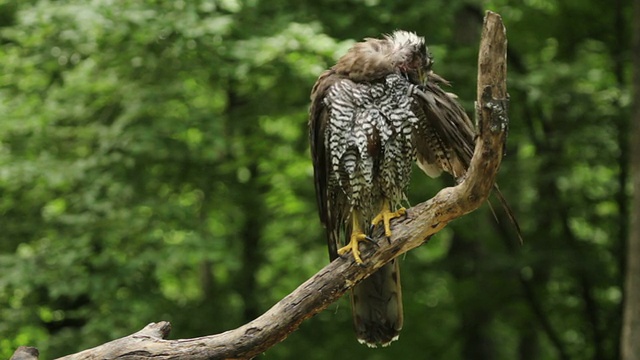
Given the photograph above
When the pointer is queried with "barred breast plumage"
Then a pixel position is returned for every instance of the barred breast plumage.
(369, 141)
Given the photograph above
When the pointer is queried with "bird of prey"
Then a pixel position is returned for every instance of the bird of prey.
(374, 113)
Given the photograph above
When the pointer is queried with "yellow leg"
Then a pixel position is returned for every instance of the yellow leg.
(386, 215)
(356, 237)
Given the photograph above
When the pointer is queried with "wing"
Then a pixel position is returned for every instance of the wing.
(445, 136)
(331, 204)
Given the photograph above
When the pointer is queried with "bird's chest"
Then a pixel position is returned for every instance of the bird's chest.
(369, 133)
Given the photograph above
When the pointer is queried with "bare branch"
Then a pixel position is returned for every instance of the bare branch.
(25, 353)
(330, 283)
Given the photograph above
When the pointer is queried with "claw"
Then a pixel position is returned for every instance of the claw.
(356, 238)
(385, 217)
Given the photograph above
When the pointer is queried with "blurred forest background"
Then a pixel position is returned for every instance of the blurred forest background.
(154, 165)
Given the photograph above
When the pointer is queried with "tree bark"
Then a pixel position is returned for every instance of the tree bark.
(630, 344)
(330, 283)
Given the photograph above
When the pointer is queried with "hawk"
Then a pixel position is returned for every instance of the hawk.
(374, 113)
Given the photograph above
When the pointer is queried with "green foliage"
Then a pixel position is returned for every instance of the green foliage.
(154, 166)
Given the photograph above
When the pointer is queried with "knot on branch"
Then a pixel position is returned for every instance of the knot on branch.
(499, 109)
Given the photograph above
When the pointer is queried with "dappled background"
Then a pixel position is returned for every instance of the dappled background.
(154, 166)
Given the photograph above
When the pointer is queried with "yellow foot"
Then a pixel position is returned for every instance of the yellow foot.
(357, 236)
(386, 215)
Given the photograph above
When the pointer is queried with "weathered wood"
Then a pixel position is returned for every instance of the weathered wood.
(331, 282)
(25, 353)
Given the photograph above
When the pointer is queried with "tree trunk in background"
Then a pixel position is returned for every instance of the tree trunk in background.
(251, 236)
(249, 194)
(466, 256)
(620, 56)
(529, 346)
(630, 346)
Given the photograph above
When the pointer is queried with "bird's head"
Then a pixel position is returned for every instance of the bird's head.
(411, 56)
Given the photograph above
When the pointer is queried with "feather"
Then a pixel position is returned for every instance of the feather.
(445, 128)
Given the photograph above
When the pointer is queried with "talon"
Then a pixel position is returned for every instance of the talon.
(386, 215)
(357, 236)
(370, 241)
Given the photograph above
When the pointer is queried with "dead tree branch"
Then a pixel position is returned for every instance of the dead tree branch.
(331, 282)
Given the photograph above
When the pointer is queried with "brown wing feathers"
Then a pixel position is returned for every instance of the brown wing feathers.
(317, 125)
(446, 134)
(447, 137)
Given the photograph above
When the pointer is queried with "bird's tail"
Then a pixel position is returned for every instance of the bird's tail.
(377, 306)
